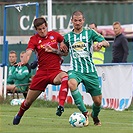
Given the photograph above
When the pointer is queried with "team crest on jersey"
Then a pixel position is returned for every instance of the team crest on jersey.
(51, 37)
(79, 46)
(83, 37)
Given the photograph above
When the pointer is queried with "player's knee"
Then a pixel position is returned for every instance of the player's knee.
(72, 85)
(97, 103)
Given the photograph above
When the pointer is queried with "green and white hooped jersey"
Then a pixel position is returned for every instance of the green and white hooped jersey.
(80, 48)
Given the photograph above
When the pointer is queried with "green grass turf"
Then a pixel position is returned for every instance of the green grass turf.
(44, 120)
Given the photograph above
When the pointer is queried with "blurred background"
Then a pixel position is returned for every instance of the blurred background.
(19, 21)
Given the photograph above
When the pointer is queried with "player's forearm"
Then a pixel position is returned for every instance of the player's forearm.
(27, 56)
(98, 46)
(104, 44)
(57, 51)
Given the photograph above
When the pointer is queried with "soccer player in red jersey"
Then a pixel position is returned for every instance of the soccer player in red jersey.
(49, 67)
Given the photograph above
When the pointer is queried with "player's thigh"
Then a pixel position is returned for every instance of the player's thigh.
(59, 76)
(74, 78)
(32, 96)
(91, 83)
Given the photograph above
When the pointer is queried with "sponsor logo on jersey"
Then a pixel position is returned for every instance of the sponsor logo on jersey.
(79, 46)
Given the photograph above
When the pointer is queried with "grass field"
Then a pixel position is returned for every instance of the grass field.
(44, 120)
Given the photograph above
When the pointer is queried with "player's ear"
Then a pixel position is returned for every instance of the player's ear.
(84, 19)
(71, 19)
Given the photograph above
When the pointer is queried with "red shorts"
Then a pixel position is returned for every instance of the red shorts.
(43, 78)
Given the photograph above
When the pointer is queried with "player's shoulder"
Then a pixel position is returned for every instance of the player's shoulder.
(92, 31)
(34, 40)
(34, 37)
(88, 29)
(53, 33)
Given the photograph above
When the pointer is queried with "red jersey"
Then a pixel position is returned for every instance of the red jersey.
(46, 60)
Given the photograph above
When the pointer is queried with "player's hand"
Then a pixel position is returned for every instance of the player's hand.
(97, 47)
(63, 47)
(48, 48)
(19, 64)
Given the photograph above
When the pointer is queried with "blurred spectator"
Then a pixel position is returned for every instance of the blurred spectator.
(20, 75)
(98, 56)
(11, 68)
(120, 45)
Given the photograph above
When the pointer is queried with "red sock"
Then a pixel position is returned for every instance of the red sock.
(23, 108)
(63, 90)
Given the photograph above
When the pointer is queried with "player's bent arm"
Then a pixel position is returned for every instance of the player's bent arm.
(25, 58)
(104, 43)
(57, 51)
(98, 46)
(48, 48)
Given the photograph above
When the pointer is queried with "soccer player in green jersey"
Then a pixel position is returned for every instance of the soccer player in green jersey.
(79, 42)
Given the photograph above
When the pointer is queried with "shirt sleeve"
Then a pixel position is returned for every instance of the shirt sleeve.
(60, 38)
(97, 37)
(31, 43)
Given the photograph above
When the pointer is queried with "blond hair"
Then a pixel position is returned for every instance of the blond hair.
(117, 22)
(12, 52)
(23, 52)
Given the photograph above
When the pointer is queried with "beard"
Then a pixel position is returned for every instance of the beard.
(78, 27)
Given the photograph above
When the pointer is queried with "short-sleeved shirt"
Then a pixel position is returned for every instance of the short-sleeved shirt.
(46, 60)
(80, 49)
(48, 63)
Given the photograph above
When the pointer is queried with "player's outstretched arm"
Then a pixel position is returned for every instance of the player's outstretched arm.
(104, 43)
(25, 58)
(98, 46)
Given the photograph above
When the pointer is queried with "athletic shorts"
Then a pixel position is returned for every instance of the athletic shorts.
(89, 80)
(43, 78)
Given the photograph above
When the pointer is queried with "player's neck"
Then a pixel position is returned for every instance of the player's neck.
(77, 31)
